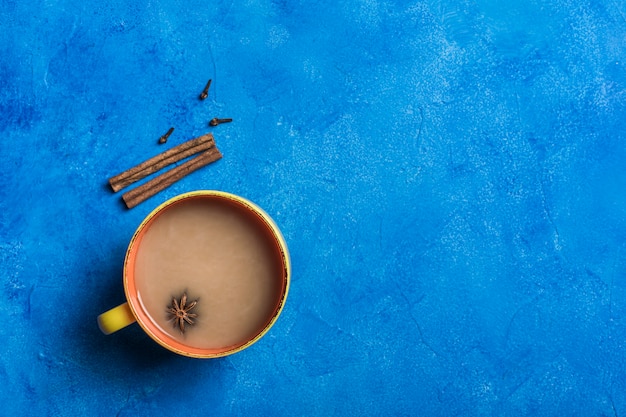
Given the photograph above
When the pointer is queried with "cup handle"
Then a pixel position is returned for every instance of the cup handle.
(116, 319)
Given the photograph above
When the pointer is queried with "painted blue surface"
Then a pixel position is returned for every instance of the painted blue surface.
(449, 176)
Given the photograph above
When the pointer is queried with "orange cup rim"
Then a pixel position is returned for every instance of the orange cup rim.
(142, 317)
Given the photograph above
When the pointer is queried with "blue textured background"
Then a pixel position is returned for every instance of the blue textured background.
(449, 176)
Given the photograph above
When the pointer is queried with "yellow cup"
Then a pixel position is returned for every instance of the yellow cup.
(134, 309)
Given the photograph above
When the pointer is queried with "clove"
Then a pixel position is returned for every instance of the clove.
(205, 92)
(164, 138)
(215, 121)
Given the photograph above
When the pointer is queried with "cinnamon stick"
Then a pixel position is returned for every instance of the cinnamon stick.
(150, 188)
(177, 153)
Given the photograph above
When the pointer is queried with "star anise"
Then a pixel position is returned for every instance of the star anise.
(180, 312)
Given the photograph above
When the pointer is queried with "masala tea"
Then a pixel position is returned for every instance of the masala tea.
(206, 274)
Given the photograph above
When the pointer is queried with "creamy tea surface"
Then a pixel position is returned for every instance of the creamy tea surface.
(219, 254)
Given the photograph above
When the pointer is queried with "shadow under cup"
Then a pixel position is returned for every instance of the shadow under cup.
(220, 252)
